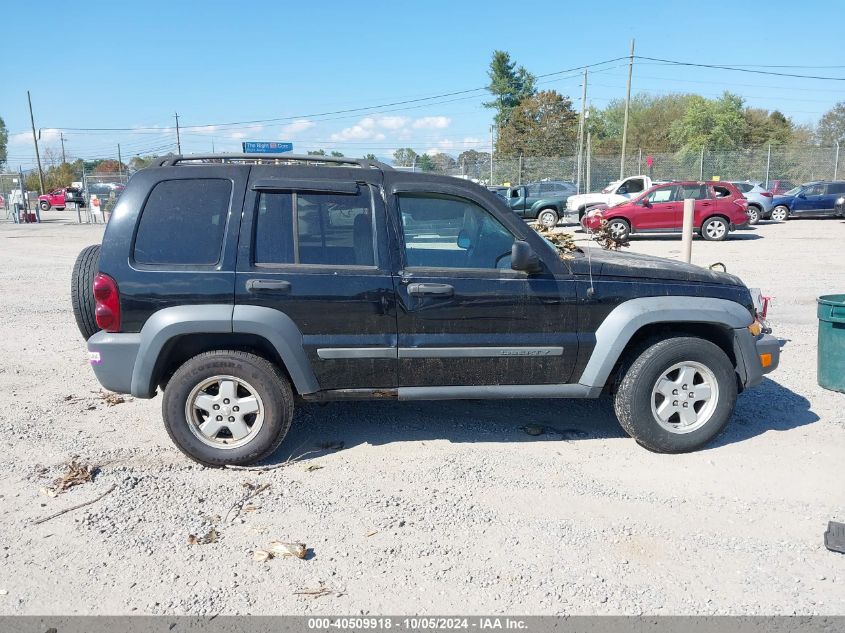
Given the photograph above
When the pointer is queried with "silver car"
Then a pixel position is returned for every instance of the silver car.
(759, 200)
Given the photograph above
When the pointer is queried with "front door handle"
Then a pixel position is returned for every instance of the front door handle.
(267, 285)
(433, 290)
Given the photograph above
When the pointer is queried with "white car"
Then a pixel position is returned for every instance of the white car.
(616, 192)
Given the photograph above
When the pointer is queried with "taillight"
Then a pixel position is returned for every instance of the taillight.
(767, 194)
(107, 297)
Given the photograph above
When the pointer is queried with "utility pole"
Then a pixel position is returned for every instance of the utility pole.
(836, 162)
(178, 141)
(35, 140)
(119, 163)
(588, 184)
(627, 107)
(212, 144)
(582, 123)
(62, 136)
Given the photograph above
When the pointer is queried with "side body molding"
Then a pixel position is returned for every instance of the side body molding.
(163, 326)
(623, 322)
(284, 335)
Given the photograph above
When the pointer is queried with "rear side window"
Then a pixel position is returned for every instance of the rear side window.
(744, 187)
(836, 187)
(721, 191)
(695, 192)
(315, 228)
(183, 222)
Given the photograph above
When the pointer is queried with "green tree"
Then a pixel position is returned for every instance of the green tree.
(649, 120)
(317, 152)
(4, 139)
(425, 163)
(443, 162)
(337, 154)
(370, 156)
(404, 157)
(541, 125)
(831, 127)
(763, 127)
(711, 123)
(509, 85)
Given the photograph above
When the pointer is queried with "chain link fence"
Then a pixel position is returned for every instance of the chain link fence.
(762, 164)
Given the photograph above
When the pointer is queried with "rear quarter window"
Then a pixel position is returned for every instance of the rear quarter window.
(183, 222)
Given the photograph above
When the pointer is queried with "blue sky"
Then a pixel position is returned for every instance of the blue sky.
(133, 64)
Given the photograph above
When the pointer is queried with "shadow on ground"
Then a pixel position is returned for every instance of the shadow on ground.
(768, 407)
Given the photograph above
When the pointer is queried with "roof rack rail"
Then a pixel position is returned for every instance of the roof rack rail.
(174, 159)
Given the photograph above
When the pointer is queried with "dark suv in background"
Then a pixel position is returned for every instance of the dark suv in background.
(239, 289)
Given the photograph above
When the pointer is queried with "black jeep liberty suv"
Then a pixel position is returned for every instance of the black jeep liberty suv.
(241, 284)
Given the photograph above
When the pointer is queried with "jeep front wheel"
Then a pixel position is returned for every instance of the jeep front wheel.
(45, 206)
(227, 407)
(676, 395)
(780, 213)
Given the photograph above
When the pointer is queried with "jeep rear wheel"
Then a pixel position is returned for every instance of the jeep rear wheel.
(82, 290)
(547, 218)
(45, 206)
(676, 395)
(227, 407)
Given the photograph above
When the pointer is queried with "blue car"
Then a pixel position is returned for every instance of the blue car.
(811, 199)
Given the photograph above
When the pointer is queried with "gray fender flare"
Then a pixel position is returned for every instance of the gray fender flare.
(275, 326)
(166, 324)
(284, 335)
(623, 322)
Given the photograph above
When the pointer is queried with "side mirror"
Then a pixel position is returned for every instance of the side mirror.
(644, 202)
(524, 258)
(802, 195)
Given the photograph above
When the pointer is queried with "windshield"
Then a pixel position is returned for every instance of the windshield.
(793, 192)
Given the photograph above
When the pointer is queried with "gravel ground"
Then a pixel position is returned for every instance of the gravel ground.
(444, 508)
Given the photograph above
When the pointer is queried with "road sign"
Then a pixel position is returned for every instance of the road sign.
(649, 160)
(266, 147)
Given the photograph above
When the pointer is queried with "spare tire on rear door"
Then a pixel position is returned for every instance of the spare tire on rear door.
(82, 290)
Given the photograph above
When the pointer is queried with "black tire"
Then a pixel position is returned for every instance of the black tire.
(624, 228)
(753, 215)
(715, 229)
(45, 206)
(82, 290)
(635, 397)
(780, 213)
(552, 218)
(267, 381)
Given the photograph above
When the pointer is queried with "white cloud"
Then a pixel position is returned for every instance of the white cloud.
(364, 130)
(203, 129)
(392, 122)
(432, 123)
(47, 135)
(300, 125)
(237, 135)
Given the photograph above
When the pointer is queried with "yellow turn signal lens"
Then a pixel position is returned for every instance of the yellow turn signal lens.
(765, 360)
(755, 329)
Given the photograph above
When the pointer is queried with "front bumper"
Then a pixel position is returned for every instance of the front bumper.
(756, 356)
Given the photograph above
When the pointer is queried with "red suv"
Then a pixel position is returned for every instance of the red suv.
(719, 208)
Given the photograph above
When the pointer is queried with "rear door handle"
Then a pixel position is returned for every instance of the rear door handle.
(436, 290)
(267, 285)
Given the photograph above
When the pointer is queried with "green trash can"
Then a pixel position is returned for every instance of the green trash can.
(831, 313)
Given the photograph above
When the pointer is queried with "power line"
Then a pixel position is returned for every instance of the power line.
(738, 69)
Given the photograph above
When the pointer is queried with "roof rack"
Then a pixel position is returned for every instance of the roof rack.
(174, 159)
